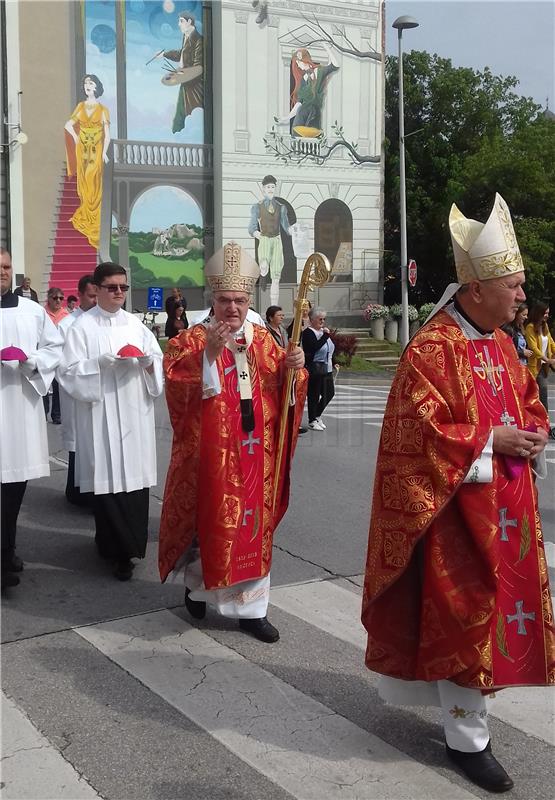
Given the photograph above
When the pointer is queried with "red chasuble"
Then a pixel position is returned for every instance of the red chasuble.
(220, 480)
(456, 578)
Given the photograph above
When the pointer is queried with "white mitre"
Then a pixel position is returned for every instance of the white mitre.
(231, 269)
(484, 251)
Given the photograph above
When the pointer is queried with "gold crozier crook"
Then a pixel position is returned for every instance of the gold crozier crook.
(316, 272)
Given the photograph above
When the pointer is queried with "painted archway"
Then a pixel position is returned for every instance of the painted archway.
(333, 236)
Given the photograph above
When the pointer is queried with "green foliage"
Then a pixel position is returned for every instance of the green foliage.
(468, 134)
(345, 345)
(424, 312)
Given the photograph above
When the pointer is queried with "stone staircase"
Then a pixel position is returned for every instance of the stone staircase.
(384, 354)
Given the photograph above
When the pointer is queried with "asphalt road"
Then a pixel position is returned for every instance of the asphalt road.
(110, 692)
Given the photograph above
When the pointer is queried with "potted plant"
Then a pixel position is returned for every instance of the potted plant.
(392, 322)
(424, 311)
(414, 324)
(376, 314)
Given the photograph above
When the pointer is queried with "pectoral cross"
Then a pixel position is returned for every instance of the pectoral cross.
(506, 419)
(505, 523)
(520, 618)
(250, 442)
(487, 371)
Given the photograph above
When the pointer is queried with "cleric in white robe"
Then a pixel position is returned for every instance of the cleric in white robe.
(30, 349)
(112, 367)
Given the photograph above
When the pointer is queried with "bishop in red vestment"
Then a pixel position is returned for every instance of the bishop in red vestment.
(225, 390)
(456, 597)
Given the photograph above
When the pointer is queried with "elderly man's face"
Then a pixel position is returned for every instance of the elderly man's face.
(502, 297)
(26, 283)
(231, 307)
(5, 273)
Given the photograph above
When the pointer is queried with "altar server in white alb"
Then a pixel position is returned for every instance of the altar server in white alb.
(87, 299)
(112, 367)
(30, 349)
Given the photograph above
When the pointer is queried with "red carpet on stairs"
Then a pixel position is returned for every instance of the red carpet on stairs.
(73, 255)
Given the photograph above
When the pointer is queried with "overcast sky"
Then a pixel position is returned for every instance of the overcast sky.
(512, 37)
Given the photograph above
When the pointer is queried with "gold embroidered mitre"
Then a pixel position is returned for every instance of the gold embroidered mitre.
(485, 250)
(231, 269)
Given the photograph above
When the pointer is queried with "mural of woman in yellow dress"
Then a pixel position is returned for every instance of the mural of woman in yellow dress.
(89, 128)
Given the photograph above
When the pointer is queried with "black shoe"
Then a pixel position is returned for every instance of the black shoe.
(196, 608)
(56, 422)
(482, 768)
(124, 569)
(261, 629)
(302, 429)
(8, 580)
(12, 564)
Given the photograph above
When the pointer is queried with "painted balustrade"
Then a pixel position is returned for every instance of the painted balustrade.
(130, 153)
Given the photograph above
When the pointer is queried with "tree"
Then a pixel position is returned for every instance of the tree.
(468, 134)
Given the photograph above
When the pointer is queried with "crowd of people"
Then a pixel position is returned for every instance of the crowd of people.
(456, 600)
(534, 345)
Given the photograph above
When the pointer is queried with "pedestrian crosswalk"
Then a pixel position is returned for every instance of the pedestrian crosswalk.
(308, 733)
(365, 403)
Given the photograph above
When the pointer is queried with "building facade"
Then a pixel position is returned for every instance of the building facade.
(155, 130)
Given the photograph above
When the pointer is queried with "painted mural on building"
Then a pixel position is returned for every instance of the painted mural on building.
(166, 239)
(87, 143)
(156, 63)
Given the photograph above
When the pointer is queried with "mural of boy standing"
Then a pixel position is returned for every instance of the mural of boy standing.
(189, 75)
(267, 218)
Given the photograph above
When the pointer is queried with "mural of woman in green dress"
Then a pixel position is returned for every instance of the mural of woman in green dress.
(310, 80)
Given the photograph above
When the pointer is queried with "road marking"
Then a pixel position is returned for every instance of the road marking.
(335, 610)
(31, 766)
(295, 741)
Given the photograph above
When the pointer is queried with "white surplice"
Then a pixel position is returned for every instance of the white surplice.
(67, 405)
(114, 405)
(24, 444)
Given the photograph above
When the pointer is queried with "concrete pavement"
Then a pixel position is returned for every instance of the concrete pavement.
(111, 692)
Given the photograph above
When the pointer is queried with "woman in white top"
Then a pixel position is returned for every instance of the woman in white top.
(318, 349)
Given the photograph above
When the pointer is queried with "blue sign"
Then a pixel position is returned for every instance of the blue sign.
(155, 298)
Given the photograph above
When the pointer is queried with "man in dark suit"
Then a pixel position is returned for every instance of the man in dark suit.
(191, 93)
(25, 290)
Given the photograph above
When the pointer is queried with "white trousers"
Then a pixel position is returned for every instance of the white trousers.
(245, 600)
(465, 713)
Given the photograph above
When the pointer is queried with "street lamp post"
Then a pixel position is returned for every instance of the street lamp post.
(401, 24)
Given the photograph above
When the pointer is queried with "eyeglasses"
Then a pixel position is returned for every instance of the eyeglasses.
(114, 287)
(56, 297)
(240, 302)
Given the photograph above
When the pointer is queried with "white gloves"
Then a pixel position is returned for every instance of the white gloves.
(145, 361)
(106, 360)
(29, 366)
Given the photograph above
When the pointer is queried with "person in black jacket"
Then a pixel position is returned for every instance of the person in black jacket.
(318, 350)
(176, 321)
(25, 290)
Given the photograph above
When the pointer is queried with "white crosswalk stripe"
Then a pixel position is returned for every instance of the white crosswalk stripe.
(359, 403)
(295, 741)
(298, 743)
(336, 610)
